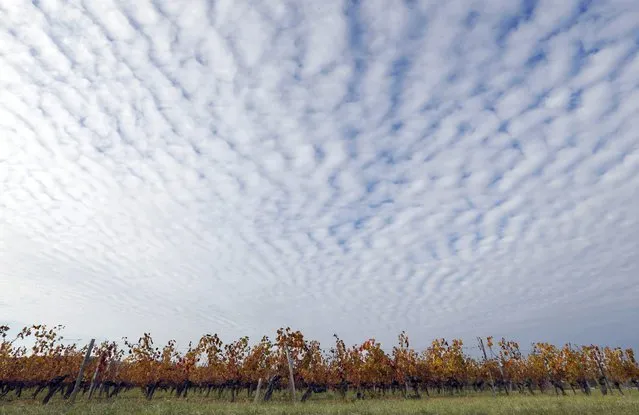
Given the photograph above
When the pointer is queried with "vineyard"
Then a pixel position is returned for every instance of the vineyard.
(47, 367)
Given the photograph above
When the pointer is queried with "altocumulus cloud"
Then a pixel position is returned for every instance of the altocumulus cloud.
(453, 168)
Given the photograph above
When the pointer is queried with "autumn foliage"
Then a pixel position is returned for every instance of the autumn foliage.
(50, 365)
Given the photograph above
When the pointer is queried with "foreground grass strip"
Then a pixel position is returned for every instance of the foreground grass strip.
(454, 405)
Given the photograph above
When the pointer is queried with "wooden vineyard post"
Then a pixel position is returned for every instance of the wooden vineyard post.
(490, 375)
(602, 371)
(76, 388)
(95, 378)
(290, 373)
(257, 392)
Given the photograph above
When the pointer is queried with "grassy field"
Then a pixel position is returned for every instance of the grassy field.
(483, 404)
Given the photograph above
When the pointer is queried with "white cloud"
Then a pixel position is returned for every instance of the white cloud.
(449, 169)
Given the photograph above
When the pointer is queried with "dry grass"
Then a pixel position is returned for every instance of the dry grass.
(478, 404)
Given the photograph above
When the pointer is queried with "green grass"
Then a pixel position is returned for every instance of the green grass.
(478, 404)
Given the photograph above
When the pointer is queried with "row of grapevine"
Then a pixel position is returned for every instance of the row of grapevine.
(49, 367)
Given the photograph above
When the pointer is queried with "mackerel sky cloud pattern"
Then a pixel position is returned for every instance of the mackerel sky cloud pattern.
(451, 168)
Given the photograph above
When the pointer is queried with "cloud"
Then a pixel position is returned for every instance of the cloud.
(459, 168)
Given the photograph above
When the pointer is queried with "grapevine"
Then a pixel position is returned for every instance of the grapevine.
(49, 366)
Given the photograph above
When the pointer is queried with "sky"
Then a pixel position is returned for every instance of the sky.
(452, 169)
